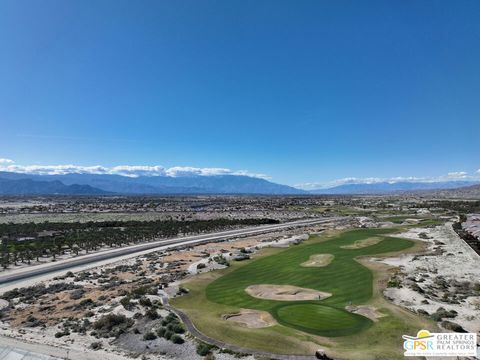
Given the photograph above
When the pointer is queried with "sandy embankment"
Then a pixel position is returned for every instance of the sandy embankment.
(318, 260)
(253, 319)
(285, 293)
(449, 261)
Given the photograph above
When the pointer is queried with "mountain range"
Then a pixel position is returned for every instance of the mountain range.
(104, 184)
(467, 192)
(28, 187)
(21, 184)
(391, 187)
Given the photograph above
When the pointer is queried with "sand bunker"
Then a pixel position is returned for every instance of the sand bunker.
(253, 319)
(363, 243)
(365, 310)
(285, 293)
(318, 260)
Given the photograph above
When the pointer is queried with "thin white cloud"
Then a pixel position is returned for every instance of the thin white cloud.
(451, 176)
(53, 169)
(123, 170)
(137, 170)
(179, 171)
(458, 174)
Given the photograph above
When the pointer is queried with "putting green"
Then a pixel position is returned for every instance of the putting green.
(314, 318)
(348, 281)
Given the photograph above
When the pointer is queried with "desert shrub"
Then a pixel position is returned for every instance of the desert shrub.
(177, 339)
(149, 336)
(151, 314)
(32, 321)
(220, 259)
(242, 257)
(452, 326)
(203, 349)
(417, 288)
(441, 313)
(144, 301)
(111, 325)
(96, 345)
(171, 317)
(394, 282)
(182, 290)
(168, 334)
(140, 291)
(60, 334)
(152, 290)
(176, 327)
(87, 302)
(126, 302)
(144, 290)
(137, 315)
(161, 331)
(28, 294)
(77, 294)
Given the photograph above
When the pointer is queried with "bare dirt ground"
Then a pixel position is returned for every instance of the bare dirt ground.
(318, 260)
(100, 288)
(285, 292)
(442, 283)
(253, 319)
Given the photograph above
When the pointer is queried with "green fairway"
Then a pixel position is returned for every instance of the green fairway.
(347, 280)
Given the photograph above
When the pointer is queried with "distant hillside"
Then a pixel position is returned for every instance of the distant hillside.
(389, 188)
(218, 184)
(467, 192)
(33, 187)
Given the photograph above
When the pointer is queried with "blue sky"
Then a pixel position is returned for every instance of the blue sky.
(303, 91)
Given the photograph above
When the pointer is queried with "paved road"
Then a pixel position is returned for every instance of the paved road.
(36, 271)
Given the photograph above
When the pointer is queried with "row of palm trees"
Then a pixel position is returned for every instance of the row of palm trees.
(24, 243)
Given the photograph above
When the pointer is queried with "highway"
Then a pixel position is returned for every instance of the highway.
(16, 277)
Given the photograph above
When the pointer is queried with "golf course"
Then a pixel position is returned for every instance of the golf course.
(309, 305)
